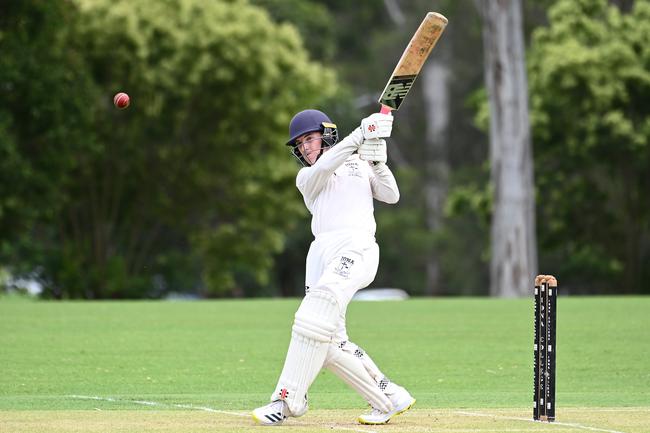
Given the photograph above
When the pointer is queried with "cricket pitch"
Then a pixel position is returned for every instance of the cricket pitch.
(570, 420)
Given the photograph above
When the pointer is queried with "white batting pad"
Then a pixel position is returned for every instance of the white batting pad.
(349, 362)
(313, 327)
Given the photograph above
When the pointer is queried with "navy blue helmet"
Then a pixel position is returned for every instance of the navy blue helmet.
(311, 121)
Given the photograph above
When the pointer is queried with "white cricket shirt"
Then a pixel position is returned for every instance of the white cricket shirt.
(339, 189)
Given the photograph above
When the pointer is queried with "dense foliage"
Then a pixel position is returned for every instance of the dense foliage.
(191, 189)
(190, 186)
(590, 81)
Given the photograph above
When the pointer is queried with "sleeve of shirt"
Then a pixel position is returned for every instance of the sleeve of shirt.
(311, 180)
(383, 184)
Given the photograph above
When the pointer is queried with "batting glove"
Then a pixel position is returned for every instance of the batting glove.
(377, 126)
(373, 150)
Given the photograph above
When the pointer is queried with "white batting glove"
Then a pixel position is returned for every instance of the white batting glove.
(377, 126)
(373, 150)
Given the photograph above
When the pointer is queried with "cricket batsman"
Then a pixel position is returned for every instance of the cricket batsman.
(338, 182)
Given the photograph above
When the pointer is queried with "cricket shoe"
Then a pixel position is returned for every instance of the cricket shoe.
(272, 414)
(402, 401)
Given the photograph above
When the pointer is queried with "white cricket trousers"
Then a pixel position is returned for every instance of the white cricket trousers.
(341, 263)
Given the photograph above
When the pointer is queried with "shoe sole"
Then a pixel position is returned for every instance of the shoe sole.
(361, 421)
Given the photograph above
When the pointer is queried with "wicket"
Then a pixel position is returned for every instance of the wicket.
(544, 348)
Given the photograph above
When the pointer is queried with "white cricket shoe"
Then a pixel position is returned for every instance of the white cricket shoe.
(402, 401)
(272, 414)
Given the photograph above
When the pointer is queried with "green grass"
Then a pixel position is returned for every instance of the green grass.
(451, 353)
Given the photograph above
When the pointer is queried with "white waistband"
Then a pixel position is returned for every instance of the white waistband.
(346, 234)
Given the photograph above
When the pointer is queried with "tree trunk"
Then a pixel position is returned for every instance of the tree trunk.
(513, 241)
(437, 106)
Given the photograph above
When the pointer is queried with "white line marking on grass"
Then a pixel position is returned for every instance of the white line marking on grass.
(352, 429)
(147, 403)
(480, 430)
(192, 407)
(189, 406)
(87, 397)
(564, 424)
(153, 403)
(618, 409)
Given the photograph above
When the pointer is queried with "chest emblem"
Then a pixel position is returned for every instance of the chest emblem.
(352, 168)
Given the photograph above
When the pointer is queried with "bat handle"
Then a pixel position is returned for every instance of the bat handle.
(385, 109)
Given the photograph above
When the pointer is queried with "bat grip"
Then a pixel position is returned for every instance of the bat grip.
(385, 109)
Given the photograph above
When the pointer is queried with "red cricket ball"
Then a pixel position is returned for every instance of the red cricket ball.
(121, 100)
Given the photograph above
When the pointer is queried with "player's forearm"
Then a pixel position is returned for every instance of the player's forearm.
(384, 185)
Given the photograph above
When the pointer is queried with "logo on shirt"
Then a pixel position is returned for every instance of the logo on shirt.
(344, 266)
(353, 168)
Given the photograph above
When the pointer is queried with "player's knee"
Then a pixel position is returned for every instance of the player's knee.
(333, 353)
(317, 316)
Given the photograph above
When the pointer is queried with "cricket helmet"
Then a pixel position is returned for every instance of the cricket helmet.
(311, 121)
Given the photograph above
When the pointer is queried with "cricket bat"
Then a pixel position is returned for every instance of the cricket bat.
(411, 62)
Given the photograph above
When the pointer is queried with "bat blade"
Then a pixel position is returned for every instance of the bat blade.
(412, 60)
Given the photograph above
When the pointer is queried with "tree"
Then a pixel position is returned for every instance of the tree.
(190, 179)
(513, 239)
(590, 87)
(43, 120)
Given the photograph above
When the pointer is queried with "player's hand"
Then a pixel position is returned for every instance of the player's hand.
(373, 150)
(377, 126)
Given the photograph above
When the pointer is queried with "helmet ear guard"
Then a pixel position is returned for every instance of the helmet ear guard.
(330, 133)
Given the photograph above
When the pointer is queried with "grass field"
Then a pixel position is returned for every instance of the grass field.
(201, 366)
